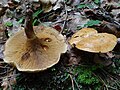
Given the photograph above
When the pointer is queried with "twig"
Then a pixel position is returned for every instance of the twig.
(10, 76)
(112, 77)
(112, 88)
(109, 18)
(10, 87)
(66, 16)
(7, 71)
(73, 87)
(109, 75)
(102, 81)
(46, 15)
(60, 21)
(76, 83)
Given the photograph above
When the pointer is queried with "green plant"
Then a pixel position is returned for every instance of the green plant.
(81, 6)
(21, 20)
(96, 1)
(86, 76)
(8, 24)
(89, 24)
(35, 17)
(116, 67)
(35, 14)
(19, 88)
(92, 22)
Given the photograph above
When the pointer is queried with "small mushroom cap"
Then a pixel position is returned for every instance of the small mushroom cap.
(35, 55)
(83, 33)
(91, 41)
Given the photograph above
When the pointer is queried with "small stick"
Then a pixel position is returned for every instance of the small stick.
(66, 16)
(73, 87)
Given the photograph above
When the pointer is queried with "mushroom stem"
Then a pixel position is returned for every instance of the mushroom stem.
(28, 25)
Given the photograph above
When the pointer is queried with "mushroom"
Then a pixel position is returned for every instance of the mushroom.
(88, 39)
(34, 48)
(91, 44)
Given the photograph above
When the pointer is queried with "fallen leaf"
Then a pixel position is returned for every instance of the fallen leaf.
(47, 4)
(9, 80)
(58, 4)
(5, 84)
(1, 50)
(57, 27)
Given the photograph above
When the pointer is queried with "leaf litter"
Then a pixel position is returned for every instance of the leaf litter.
(67, 16)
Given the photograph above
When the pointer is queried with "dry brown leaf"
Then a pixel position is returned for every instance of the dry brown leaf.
(76, 20)
(1, 51)
(2, 40)
(58, 4)
(47, 4)
(9, 80)
(47, 7)
(48, 1)
(2, 33)
(5, 84)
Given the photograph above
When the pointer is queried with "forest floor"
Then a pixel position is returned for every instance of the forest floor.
(77, 69)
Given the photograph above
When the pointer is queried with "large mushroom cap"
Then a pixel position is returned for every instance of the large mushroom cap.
(37, 54)
(92, 41)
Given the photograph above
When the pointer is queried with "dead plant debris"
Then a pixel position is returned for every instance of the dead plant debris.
(76, 69)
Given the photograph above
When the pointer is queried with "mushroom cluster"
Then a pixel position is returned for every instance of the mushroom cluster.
(34, 48)
(88, 39)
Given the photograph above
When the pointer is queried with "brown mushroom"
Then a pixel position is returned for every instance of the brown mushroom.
(91, 44)
(89, 40)
(34, 50)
